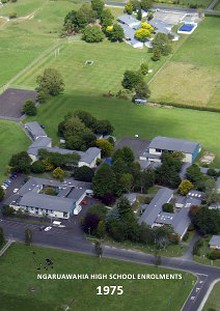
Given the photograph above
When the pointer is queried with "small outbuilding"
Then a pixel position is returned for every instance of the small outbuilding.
(214, 243)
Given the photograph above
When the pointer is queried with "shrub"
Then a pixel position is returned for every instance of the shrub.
(29, 108)
(38, 167)
(213, 255)
(84, 173)
(168, 207)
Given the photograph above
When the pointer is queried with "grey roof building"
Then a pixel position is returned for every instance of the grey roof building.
(39, 143)
(165, 218)
(215, 242)
(155, 207)
(49, 202)
(129, 20)
(128, 31)
(173, 144)
(160, 26)
(35, 130)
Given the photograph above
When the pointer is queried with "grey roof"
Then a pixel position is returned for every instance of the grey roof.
(165, 218)
(181, 221)
(47, 202)
(131, 197)
(155, 207)
(89, 155)
(76, 193)
(39, 143)
(35, 129)
(128, 19)
(195, 194)
(215, 240)
(128, 31)
(138, 146)
(135, 41)
(160, 25)
(173, 144)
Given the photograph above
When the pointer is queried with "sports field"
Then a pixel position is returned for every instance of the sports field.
(12, 140)
(213, 302)
(192, 75)
(28, 293)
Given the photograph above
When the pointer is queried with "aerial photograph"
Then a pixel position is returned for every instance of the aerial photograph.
(109, 155)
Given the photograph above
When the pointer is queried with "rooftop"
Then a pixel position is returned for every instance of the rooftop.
(165, 218)
(128, 19)
(47, 202)
(138, 146)
(173, 144)
(215, 240)
(155, 207)
(35, 129)
(39, 143)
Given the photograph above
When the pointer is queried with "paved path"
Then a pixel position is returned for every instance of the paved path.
(6, 246)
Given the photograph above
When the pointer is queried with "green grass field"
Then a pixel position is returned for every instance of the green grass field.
(21, 7)
(192, 75)
(213, 302)
(21, 265)
(12, 140)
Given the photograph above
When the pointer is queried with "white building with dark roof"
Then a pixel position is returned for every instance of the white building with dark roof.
(160, 144)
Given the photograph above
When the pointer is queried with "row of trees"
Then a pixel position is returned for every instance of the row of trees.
(121, 224)
(79, 129)
(136, 6)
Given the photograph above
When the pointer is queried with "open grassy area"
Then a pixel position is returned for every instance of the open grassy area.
(21, 7)
(213, 302)
(12, 140)
(21, 265)
(192, 75)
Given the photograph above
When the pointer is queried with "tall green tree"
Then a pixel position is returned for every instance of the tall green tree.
(107, 18)
(146, 4)
(98, 6)
(50, 82)
(104, 181)
(21, 162)
(93, 34)
(132, 79)
(29, 108)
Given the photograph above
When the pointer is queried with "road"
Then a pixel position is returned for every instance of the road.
(71, 239)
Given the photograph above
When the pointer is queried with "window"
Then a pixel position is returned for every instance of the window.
(158, 150)
(65, 214)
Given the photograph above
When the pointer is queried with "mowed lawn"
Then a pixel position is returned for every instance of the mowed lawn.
(12, 140)
(192, 76)
(21, 7)
(213, 302)
(20, 290)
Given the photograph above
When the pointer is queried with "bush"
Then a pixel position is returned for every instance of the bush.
(168, 207)
(213, 255)
(12, 15)
(29, 108)
(93, 34)
(38, 167)
(7, 210)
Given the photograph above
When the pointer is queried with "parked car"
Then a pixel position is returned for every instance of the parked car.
(42, 228)
(47, 228)
(15, 190)
(4, 187)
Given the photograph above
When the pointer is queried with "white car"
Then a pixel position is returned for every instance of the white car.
(47, 228)
(3, 187)
(15, 190)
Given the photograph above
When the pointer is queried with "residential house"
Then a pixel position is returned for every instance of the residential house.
(214, 243)
(34, 130)
(129, 20)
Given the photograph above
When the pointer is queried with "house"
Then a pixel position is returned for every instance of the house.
(160, 144)
(129, 34)
(155, 207)
(131, 197)
(129, 20)
(34, 130)
(67, 201)
(214, 243)
(136, 44)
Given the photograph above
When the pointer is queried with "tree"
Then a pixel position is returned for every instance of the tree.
(144, 68)
(104, 127)
(100, 232)
(126, 182)
(21, 162)
(115, 33)
(207, 221)
(146, 4)
(105, 146)
(129, 8)
(58, 173)
(51, 82)
(38, 167)
(167, 207)
(104, 181)
(93, 34)
(84, 173)
(142, 90)
(139, 14)
(125, 153)
(29, 108)
(2, 237)
(2, 194)
(98, 249)
(7, 210)
(142, 34)
(90, 223)
(131, 79)
(89, 120)
(98, 6)
(107, 18)
(162, 44)
(184, 187)
(194, 174)
(147, 179)
(156, 54)
(28, 236)
(194, 210)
